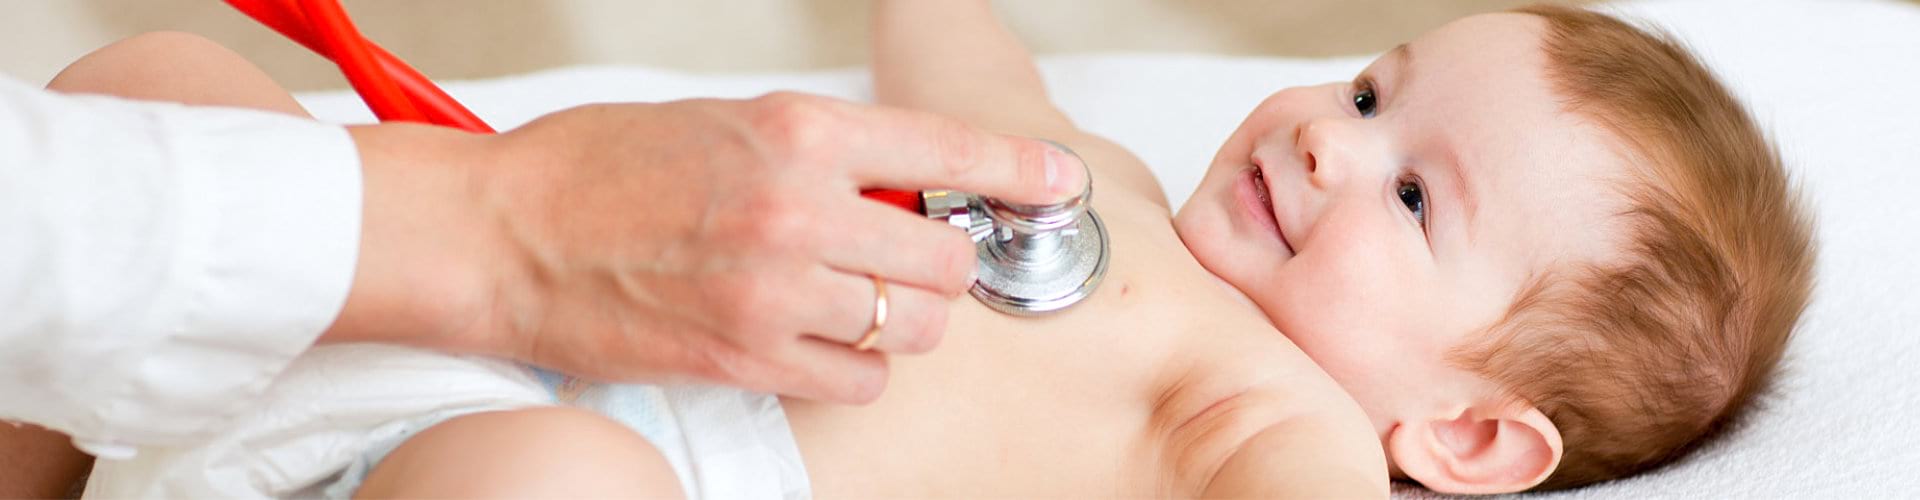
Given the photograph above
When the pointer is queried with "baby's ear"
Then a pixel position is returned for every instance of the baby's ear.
(1489, 448)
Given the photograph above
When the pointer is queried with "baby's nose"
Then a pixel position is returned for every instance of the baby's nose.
(1336, 150)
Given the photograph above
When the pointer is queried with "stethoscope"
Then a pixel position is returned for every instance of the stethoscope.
(1031, 259)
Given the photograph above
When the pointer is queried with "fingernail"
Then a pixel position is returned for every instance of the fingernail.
(1053, 171)
(1063, 172)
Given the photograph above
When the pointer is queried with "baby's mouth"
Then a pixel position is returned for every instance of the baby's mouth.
(1260, 187)
(1265, 197)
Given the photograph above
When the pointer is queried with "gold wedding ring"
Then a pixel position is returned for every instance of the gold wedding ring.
(872, 337)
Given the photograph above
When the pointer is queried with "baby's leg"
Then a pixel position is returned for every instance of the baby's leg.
(176, 67)
(531, 453)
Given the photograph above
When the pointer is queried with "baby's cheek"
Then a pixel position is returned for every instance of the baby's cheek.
(1360, 274)
(1345, 292)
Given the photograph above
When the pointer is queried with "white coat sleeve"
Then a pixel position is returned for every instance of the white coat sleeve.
(160, 264)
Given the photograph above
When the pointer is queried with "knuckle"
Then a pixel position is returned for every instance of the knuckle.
(781, 98)
(777, 223)
(798, 126)
(743, 303)
(760, 310)
(958, 147)
(749, 298)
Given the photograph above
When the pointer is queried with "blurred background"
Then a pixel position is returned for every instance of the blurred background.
(463, 39)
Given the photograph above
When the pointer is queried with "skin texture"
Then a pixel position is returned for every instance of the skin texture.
(1374, 297)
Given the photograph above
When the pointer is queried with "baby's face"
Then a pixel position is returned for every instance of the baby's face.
(1381, 222)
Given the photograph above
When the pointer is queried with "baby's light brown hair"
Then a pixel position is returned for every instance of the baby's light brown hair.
(1639, 360)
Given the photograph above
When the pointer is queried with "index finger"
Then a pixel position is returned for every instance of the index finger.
(903, 149)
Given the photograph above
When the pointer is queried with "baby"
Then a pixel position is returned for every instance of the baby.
(1526, 250)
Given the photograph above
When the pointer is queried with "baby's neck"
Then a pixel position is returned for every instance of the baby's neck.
(1239, 296)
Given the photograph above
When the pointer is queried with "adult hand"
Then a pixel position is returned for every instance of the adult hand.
(719, 240)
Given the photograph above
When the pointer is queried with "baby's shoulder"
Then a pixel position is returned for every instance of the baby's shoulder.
(1266, 412)
(1312, 455)
(1114, 168)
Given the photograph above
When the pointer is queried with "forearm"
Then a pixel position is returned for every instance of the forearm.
(956, 58)
(426, 248)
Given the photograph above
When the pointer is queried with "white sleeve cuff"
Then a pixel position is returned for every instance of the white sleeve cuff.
(269, 236)
(166, 262)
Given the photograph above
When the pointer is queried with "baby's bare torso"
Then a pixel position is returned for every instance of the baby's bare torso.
(1099, 400)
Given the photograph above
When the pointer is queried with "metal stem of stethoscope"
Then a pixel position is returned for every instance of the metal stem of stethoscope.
(1032, 259)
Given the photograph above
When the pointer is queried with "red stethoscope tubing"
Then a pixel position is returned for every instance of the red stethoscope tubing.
(391, 88)
(329, 22)
(291, 21)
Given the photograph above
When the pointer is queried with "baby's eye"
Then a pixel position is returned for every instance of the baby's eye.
(1415, 198)
(1363, 99)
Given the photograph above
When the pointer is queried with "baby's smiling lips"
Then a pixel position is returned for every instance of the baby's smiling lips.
(1266, 209)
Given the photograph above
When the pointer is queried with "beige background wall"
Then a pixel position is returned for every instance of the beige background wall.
(451, 39)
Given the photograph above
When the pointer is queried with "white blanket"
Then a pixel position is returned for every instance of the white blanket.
(1837, 82)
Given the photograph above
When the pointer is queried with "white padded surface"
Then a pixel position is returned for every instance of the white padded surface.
(1838, 83)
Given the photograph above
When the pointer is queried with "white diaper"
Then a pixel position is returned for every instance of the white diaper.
(339, 409)
(722, 442)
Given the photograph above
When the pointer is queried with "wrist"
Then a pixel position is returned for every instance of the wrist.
(424, 274)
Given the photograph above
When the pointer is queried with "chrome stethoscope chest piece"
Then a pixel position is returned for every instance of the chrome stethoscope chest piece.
(1031, 259)
(1024, 277)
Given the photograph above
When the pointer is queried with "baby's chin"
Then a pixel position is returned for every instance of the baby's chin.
(1182, 225)
(1190, 236)
(1196, 234)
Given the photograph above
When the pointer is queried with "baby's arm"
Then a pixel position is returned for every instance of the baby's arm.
(956, 59)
